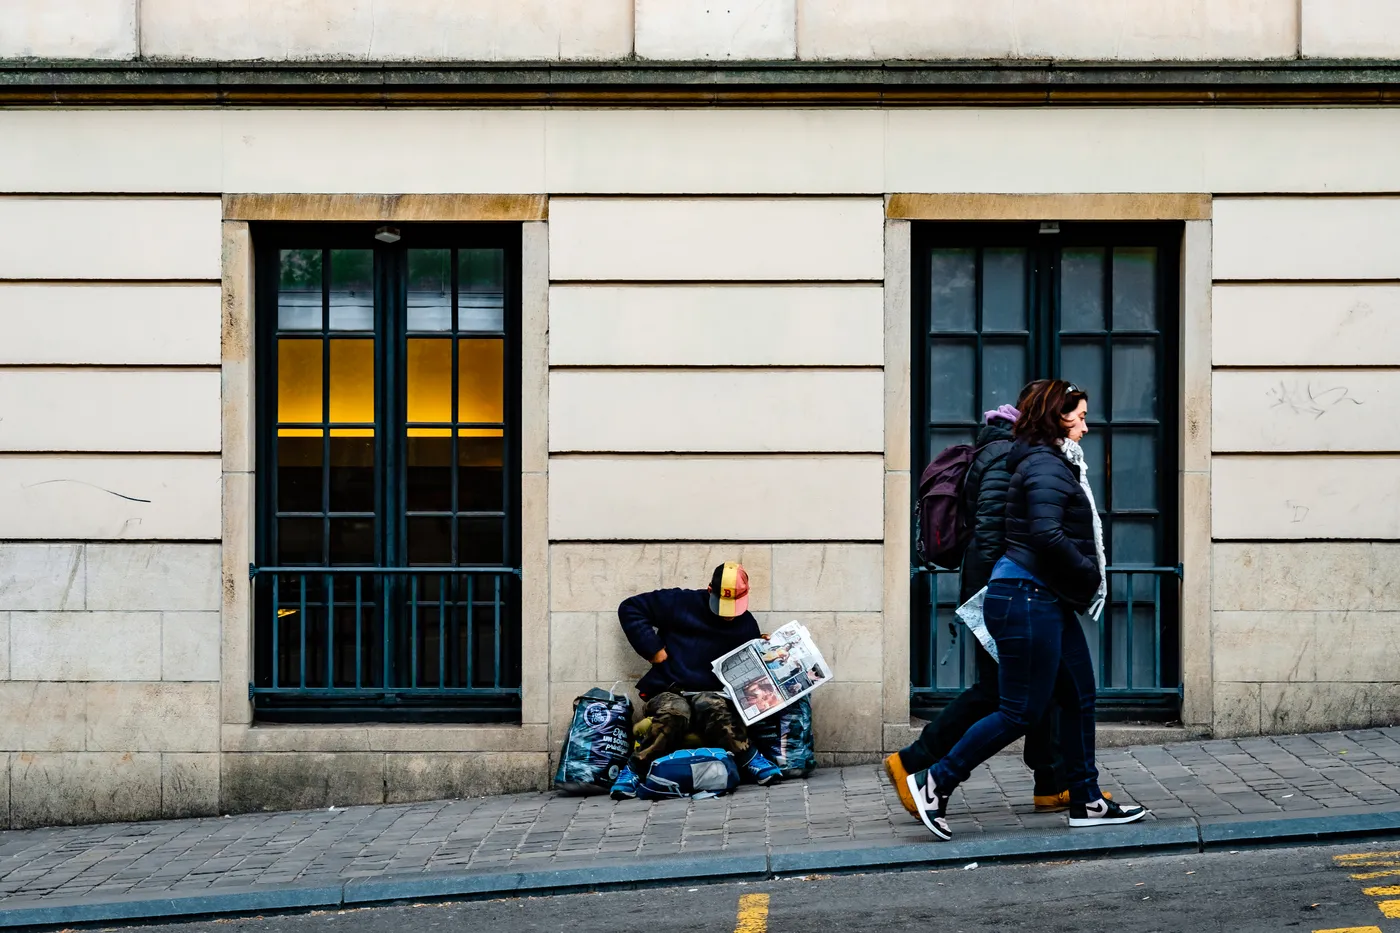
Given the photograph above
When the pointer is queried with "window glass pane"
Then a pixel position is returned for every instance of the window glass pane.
(352, 540)
(1134, 470)
(953, 289)
(1133, 543)
(480, 541)
(952, 382)
(1004, 290)
(1003, 374)
(1081, 289)
(481, 381)
(299, 474)
(1093, 444)
(429, 473)
(481, 277)
(352, 474)
(1135, 288)
(480, 462)
(429, 541)
(299, 290)
(1134, 381)
(430, 385)
(947, 437)
(299, 541)
(352, 383)
(429, 289)
(352, 289)
(298, 382)
(1082, 364)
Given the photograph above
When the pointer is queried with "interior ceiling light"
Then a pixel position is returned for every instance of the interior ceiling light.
(387, 234)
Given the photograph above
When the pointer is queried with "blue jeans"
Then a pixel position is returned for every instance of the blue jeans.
(1042, 653)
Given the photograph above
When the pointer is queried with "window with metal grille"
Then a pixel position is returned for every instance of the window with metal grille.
(386, 584)
(997, 305)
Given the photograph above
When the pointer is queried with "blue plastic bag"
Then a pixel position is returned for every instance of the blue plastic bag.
(691, 771)
(598, 743)
(785, 738)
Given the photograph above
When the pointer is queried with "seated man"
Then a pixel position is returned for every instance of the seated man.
(681, 632)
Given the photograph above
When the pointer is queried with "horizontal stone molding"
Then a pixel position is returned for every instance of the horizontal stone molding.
(110, 410)
(109, 238)
(742, 411)
(106, 497)
(1305, 497)
(1306, 238)
(1306, 325)
(110, 325)
(717, 498)
(1106, 207)
(1306, 410)
(716, 239)
(695, 325)
(403, 208)
(251, 84)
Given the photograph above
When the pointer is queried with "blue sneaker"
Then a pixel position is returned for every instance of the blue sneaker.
(625, 787)
(761, 770)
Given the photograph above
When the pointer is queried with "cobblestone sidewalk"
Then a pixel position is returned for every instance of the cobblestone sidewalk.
(1293, 775)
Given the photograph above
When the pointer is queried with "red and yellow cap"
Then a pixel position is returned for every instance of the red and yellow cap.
(729, 590)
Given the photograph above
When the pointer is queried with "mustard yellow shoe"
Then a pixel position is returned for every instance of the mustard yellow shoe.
(894, 770)
(1052, 803)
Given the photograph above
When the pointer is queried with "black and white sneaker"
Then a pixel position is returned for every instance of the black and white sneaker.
(1103, 813)
(931, 805)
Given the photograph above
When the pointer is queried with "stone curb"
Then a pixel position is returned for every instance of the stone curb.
(1189, 835)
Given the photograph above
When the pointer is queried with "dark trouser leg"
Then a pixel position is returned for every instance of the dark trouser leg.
(953, 721)
(1074, 690)
(670, 720)
(1043, 755)
(719, 725)
(1026, 625)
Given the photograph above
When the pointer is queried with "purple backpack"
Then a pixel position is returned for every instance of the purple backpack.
(941, 526)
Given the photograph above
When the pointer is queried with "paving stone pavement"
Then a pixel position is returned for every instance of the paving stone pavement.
(853, 806)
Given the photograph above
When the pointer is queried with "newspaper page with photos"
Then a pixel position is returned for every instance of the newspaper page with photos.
(765, 675)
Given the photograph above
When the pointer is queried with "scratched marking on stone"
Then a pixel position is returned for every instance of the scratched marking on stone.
(1309, 399)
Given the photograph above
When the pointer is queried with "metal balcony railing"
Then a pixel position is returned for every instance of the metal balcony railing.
(393, 643)
(1127, 643)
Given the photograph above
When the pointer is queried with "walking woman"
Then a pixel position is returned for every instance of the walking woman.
(1053, 568)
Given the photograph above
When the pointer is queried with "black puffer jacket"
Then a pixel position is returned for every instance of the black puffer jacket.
(984, 496)
(1049, 526)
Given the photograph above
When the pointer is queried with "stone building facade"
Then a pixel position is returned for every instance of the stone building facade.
(717, 236)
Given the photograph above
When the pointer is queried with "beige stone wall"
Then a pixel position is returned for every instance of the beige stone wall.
(1305, 465)
(691, 30)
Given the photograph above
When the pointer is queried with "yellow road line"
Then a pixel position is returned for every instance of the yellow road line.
(1369, 875)
(1390, 890)
(1352, 930)
(1363, 857)
(1389, 909)
(753, 914)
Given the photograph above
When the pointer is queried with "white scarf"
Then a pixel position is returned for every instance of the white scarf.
(1075, 455)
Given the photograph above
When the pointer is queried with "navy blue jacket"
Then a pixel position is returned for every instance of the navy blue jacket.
(681, 622)
(1049, 525)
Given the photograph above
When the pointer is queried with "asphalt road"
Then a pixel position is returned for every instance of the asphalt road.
(1251, 891)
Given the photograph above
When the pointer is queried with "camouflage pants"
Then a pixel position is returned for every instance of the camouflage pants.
(709, 715)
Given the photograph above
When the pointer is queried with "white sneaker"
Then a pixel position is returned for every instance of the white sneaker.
(1104, 813)
(931, 806)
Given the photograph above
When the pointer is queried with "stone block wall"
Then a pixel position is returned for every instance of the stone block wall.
(691, 30)
(1306, 634)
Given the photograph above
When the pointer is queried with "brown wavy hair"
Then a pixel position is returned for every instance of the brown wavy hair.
(1044, 408)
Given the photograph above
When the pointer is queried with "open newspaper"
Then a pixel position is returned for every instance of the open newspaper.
(766, 674)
